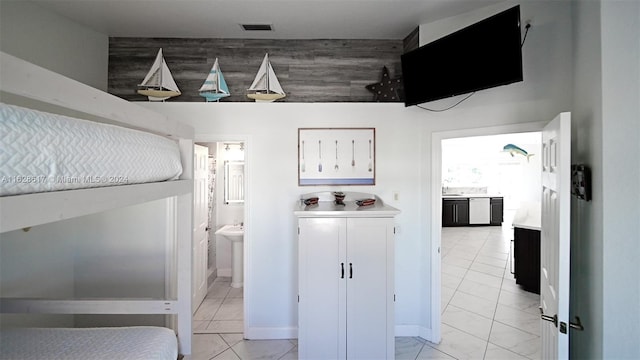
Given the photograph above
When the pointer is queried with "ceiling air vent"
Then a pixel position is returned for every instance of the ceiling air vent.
(257, 27)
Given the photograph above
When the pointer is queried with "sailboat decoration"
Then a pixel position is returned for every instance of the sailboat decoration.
(214, 87)
(265, 87)
(159, 85)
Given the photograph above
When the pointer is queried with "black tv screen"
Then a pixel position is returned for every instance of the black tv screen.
(480, 56)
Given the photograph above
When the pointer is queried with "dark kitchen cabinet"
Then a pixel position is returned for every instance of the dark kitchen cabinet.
(497, 211)
(455, 212)
(526, 252)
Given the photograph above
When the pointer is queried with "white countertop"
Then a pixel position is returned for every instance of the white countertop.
(326, 207)
(468, 196)
(528, 216)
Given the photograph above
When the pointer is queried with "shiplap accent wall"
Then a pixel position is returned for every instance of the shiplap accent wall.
(308, 70)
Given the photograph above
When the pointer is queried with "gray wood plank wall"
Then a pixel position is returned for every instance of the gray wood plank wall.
(308, 70)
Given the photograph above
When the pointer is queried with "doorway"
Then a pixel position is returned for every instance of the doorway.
(222, 310)
(436, 246)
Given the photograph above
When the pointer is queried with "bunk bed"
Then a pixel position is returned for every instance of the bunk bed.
(27, 90)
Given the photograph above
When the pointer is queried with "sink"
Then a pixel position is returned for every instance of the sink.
(232, 232)
(235, 234)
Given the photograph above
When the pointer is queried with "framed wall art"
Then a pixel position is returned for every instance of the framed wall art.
(336, 156)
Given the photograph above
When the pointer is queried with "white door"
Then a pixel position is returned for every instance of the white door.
(370, 308)
(321, 288)
(200, 224)
(554, 245)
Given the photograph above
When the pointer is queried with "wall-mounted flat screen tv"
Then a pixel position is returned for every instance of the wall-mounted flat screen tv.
(480, 56)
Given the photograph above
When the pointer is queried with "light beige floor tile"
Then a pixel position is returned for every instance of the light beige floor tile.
(429, 353)
(521, 300)
(408, 347)
(232, 339)
(488, 260)
(445, 296)
(452, 259)
(469, 322)
(236, 292)
(519, 319)
(473, 304)
(487, 269)
(225, 326)
(219, 289)
(463, 253)
(227, 355)
(485, 279)
(480, 290)
(514, 340)
(206, 346)
(200, 325)
(231, 309)
(291, 355)
(495, 352)
(453, 269)
(207, 309)
(459, 344)
(262, 349)
(450, 281)
(509, 284)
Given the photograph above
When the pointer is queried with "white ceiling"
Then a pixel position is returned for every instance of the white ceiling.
(291, 19)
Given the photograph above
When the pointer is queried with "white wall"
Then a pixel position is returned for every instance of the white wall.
(605, 250)
(117, 253)
(586, 229)
(54, 42)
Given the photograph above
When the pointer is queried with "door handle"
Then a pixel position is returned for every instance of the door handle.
(207, 228)
(342, 270)
(350, 270)
(553, 319)
(576, 325)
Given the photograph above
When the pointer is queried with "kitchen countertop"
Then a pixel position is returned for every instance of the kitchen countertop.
(468, 196)
(528, 216)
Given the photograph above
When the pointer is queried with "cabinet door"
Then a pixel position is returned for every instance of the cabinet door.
(370, 257)
(322, 286)
(462, 212)
(448, 213)
(497, 211)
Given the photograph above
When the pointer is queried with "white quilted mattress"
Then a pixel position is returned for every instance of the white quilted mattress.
(42, 152)
(144, 342)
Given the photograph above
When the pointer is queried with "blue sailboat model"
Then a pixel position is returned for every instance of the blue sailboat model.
(214, 87)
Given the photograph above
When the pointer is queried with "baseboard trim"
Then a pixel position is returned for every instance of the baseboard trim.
(407, 330)
(224, 272)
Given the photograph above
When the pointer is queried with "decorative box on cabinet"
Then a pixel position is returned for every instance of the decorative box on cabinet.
(346, 280)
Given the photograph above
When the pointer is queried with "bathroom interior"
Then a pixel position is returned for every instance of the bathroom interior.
(226, 207)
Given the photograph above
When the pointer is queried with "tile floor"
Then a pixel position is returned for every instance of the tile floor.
(485, 315)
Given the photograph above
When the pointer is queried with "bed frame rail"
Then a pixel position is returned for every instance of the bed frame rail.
(87, 306)
(31, 86)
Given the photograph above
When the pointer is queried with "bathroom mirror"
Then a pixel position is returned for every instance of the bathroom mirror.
(233, 182)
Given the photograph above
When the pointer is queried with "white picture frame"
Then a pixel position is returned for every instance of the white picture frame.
(336, 156)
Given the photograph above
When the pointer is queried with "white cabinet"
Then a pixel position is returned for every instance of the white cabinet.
(346, 287)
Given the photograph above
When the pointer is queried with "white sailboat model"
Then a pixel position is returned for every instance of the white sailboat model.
(159, 85)
(265, 87)
(214, 87)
